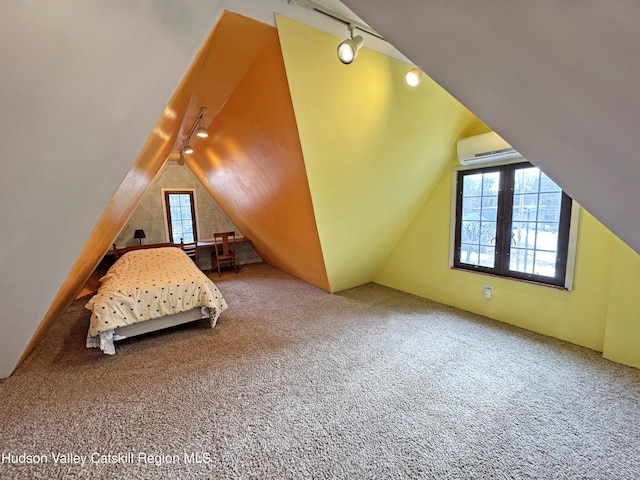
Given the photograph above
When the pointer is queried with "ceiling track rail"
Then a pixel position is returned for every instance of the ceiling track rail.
(310, 5)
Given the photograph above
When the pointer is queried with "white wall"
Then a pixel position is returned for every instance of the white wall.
(82, 84)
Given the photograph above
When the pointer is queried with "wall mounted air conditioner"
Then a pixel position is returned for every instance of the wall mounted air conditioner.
(485, 148)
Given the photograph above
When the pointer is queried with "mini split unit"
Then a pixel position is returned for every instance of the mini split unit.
(485, 148)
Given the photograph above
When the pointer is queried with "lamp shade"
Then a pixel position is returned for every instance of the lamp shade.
(139, 234)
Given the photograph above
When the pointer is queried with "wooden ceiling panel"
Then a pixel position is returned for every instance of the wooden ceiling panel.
(230, 50)
(253, 166)
(252, 162)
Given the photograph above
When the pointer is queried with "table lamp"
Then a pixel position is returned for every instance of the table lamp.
(139, 234)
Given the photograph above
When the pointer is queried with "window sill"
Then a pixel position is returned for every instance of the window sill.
(514, 279)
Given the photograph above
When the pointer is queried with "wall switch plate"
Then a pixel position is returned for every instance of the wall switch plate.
(487, 291)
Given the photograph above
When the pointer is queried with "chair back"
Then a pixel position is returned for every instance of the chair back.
(225, 241)
(191, 249)
(225, 249)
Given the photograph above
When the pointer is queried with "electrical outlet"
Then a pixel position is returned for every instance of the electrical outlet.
(487, 291)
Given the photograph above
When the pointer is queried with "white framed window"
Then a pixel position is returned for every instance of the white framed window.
(180, 215)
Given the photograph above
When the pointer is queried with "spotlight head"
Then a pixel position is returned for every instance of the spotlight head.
(188, 149)
(201, 131)
(413, 77)
(348, 49)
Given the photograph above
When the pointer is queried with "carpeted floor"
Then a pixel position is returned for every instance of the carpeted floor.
(297, 383)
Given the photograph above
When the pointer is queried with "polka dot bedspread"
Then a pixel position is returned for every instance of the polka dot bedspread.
(151, 283)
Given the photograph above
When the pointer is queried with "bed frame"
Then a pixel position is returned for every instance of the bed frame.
(156, 324)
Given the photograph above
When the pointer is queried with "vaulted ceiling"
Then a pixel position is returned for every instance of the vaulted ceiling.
(300, 164)
(557, 80)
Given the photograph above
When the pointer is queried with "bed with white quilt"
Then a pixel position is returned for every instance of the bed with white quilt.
(147, 290)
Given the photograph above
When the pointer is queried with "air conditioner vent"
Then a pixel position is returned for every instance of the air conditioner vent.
(485, 148)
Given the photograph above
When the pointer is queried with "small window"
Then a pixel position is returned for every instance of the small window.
(512, 221)
(181, 216)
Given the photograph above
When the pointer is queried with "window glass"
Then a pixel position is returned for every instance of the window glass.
(514, 221)
(479, 215)
(181, 216)
(536, 217)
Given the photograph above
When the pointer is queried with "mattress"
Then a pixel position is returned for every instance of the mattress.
(151, 283)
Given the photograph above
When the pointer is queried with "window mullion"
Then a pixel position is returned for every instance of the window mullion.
(168, 210)
(563, 237)
(458, 232)
(505, 197)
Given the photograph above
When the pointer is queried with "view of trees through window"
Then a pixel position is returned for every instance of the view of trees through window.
(535, 223)
(512, 220)
(479, 218)
(181, 216)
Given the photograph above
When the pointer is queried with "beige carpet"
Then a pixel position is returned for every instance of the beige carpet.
(297, 383)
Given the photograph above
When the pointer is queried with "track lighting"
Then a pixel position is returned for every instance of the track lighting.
(199, 129)
(348, 49)
(414, 77)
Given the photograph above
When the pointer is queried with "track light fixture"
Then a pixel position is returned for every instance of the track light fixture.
(199, 129)
(414, 77)
(348, 49)
(186, 148)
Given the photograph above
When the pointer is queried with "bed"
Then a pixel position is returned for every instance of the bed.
(148, 289)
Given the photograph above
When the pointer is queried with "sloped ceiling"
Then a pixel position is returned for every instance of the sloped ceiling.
(83, 85)
(557, 80)
(373, 147)
(265, 157)
(558, 83)
(252, 163)
(139, 178)
(91, 78)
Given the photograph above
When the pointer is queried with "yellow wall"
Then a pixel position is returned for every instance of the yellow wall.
(379, 158)
(602, 297)
(373, 147)
(622, 336)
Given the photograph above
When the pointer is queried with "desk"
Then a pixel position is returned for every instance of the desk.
(206, 244)
(245, 252)
(211, 242)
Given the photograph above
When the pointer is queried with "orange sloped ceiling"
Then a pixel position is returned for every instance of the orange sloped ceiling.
(252, 163)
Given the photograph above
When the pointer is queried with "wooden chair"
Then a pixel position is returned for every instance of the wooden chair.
(191, 249)
(225, 249)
